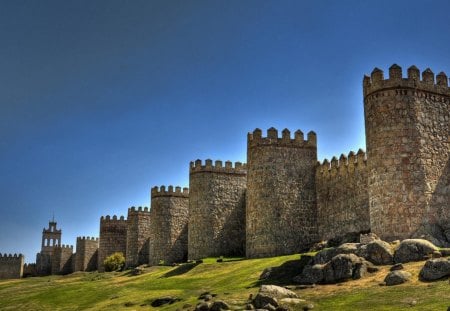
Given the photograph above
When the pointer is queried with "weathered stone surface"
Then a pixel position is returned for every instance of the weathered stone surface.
(281, 193)
(435, 269)
(219, 305)
(11, 266)
(377, 252)
(397, 277)
(277, 291)
(262, 300)
(343, 197)
(368, 237)
(113, 238)
(216, 209)
(344, 267)
(326, 255)
(138, 233)
(310, 275)
(407, 136)
(413, 250)
(168, 225)
(87, 254)
(397, 266)
(164, 300)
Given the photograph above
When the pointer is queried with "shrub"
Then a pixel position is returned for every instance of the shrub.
(115, 262)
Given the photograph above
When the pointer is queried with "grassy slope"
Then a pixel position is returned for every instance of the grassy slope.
(232, 281)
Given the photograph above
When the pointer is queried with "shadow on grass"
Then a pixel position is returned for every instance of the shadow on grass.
(180, 270)
(283, 274)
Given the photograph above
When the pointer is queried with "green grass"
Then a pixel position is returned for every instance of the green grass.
(232, 280)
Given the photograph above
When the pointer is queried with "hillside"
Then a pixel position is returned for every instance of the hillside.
(232, 281)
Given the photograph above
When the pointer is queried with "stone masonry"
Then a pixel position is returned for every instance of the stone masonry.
(62, 259)
(113, 238)
(216, 209)
(138, 234)
(11, 266)
(169, 225)
(343, 196)
(86, 254)
(408, 143)
(282, 201)
(281, 193)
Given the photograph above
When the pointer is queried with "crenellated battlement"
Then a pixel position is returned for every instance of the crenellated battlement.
(108, 218)
(343, 164)
(137, 210)
(217, 167)
(171, 191)
(64, 246)
(429, 83)
(5, 256)
(86, 238)
(256, 139)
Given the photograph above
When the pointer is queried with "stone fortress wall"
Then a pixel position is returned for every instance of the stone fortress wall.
(169, 225)
(11, 266)
(86, 254)
(343, 196)
(62, 259)
(138, 234)
(113, 238)
(283, 200)
(281, 208)
(408, 143)
(216, 209)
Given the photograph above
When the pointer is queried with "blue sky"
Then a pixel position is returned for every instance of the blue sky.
(101, 100)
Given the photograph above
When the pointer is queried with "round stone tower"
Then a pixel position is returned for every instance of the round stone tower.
(281, 193)
(138, 233)
(216, 209)
(169, 225)
(408, 145)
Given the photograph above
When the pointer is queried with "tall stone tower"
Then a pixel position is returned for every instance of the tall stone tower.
(169, 225)
(86, 254)
(408, 145)
(281, 193)
(216, 209)
(138, 233)
(51, 237)
(113, 238)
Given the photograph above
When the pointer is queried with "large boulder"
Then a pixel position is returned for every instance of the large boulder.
(326, 255)
(397, 277)
(377, 252)
(277, 291)
(261, 301)
(435, 269)
(310, 275)
(219, 305)
(413, 250)
(344, 267)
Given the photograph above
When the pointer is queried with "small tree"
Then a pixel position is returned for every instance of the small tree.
(115, 262)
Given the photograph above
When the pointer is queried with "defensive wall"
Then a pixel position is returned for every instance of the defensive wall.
(11, 266)
(281, 194)
(86, 254)
(113, 238)
(216, 209)
(62, 259)
(283, 200)
(169, 225)
(407, 136)
(138, 234)
(343, 196)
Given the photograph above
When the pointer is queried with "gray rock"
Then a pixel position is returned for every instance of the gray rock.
(310, 275)
(266, 273)
(203, 306)
(219, 305)
(397, 277)
(277, 292)
(397, 266)
(269, 307)
(413, 250)
(262, 300)
(445, 252)
(249, 306)
(377, 252)
(435, 269)
(344, 267)
(164, 301)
